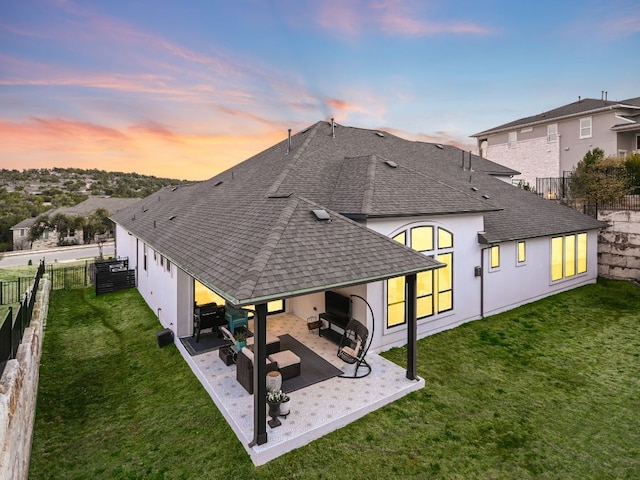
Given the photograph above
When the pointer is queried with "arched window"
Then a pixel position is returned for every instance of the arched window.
(435, 287)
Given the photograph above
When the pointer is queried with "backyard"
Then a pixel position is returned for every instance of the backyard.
(545, 391)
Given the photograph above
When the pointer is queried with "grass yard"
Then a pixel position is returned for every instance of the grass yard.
(547, 391)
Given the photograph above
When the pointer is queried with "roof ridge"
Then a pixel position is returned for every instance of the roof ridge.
(261, 260)
(287, 169)
(367, 197)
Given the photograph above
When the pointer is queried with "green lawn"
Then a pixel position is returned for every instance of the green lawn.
(546, 391)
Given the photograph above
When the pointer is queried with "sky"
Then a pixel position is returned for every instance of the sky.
(188, 89)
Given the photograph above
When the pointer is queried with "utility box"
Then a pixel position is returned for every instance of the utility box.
(165, 337)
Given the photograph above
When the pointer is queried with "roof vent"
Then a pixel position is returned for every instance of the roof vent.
(439, 146)
(333, 128)
(321, 215)
(380, 134)
(174, 189)
(485, 196)
(391, 163)
(475, 189)
(219, 182)
(144, 209)
(172, 217)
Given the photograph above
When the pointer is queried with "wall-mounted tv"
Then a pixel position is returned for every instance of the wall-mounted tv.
(337, 304)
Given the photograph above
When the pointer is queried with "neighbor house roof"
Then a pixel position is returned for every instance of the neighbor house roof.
(584, 106)
(84, 208)
(250, 233)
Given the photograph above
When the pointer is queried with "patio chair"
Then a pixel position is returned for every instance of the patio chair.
(353, 345)
(236, 317)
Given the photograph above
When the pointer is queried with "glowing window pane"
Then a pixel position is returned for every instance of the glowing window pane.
(522, 252)
(495, 256)
(424, 283)
(569, 255)
(401, 238)
(395, 290)
(395, 314)
(275, 306)
(445, 273)
(445, 239)
(556, 258)
(422, 239)
(445, 301)
(582, 252)
(425, 306)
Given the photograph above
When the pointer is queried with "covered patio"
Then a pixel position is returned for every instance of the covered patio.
(315, 410)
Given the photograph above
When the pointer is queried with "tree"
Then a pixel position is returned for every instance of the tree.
(40, 225)
(97, 227)
(599, 179)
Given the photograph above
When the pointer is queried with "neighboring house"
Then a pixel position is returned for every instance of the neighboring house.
(51, 238)
(550, 144)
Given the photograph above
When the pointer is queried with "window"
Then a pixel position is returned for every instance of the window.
(22, 232)
(168, 265)
(522, 252)
(552, 133)
(144, 257)
(637, 142)
(585, 127)
(434, 288)
(495, 256)
(513, 138)
(568, 256)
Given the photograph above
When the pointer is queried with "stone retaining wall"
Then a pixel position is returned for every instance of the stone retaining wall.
(619, 245)
(18, 393)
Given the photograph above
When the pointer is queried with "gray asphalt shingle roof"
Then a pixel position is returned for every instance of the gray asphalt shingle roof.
(582, 106)
(249, 233)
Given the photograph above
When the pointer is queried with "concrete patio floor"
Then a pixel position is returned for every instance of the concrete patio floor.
(315, 410)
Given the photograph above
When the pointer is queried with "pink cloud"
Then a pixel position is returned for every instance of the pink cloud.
(622, 26)
(392, 17)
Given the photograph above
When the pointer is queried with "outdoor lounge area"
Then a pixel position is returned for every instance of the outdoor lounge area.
(316, 409)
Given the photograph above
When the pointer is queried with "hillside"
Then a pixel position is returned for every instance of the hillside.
(30, 192)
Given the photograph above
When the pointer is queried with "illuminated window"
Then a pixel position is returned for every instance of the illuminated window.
(582, 252)
(522, 252)
(568, 256)
(203, 295)
(495, 256)
(434, 288)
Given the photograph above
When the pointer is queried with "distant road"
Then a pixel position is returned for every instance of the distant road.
(51, 255)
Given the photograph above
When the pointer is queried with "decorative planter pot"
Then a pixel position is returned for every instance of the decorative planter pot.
(274, 381)
(285, 407)
(274, 411)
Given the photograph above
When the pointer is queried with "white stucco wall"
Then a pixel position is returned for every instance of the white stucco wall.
(513, 284)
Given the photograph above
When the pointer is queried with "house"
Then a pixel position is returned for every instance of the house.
(550, 144)
(432, 237)
(51, 238)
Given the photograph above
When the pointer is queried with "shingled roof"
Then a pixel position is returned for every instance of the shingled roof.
(581, 107)
(250, 233)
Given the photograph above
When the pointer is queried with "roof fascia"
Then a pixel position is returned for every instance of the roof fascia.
(553, 119)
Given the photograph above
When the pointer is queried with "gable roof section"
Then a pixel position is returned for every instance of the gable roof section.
(582, 107)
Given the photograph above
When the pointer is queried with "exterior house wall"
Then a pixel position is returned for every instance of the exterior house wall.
(574, 148)
(513, 284)
(532, 155)
(466, 286)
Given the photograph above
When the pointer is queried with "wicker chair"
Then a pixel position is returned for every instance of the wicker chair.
(353, 347)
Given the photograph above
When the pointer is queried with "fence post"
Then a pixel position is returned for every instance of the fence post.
(1, 289)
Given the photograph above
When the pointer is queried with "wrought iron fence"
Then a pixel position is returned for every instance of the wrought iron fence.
(13, 327)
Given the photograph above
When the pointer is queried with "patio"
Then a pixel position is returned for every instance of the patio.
(315, 410)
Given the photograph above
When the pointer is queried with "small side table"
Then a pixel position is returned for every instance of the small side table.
(227, 355)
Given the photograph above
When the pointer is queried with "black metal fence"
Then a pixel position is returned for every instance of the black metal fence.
(13, 327)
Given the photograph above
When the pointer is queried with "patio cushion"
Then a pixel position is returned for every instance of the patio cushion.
(288, 363)
(273, 343)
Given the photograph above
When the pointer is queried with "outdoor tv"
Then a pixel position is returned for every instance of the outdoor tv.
(336, 304)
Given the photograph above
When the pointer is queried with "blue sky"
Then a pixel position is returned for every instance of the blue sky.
(187, 89)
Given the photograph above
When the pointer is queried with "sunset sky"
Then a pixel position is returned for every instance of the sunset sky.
(187, 89)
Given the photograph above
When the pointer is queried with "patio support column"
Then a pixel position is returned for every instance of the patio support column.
(260, 375)
(412, 325)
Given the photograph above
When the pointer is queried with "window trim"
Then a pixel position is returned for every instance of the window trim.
(552, 137)
(511, 142)
(590, 127)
